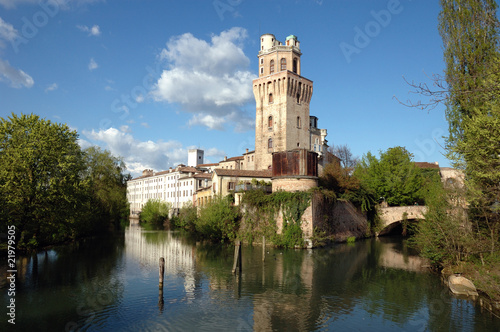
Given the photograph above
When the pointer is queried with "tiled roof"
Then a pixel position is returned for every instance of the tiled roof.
(244, 173)
(233, 159)
(203, 176)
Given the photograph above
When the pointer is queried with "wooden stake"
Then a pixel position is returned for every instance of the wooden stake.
(162, 270)
(263, 248)
(237, 256)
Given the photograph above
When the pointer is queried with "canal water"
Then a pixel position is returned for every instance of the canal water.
(111, 284)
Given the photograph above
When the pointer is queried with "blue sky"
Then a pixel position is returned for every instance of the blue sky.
(149, 79)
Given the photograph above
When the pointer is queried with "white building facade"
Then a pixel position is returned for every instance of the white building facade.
(175, 186)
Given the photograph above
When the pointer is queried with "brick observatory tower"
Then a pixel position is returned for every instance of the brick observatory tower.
(282, 99)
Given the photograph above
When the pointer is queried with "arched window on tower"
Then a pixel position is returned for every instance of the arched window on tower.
(270, 145)
(283, 64)
(271, 98)
(295, 65)
(270, 122)
(271, 67)
(299, 122)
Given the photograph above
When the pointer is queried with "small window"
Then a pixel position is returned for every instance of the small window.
(298, 98)
(299, 122)
(270, 145)
(283, 64)
(261, 61)
(295, 65)
(262, 70)
(270, 122)
(271, 99)
(230, 186)
(271, 67)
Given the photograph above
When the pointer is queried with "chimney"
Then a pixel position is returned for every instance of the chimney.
(225, 158)
(247, 150)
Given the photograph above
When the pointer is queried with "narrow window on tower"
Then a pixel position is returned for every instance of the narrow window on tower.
(299, 122)
(283, 64)
(270, 122)
(271, 100)
(270, 145)
(295, 65)
(271, 67)
(298, 98)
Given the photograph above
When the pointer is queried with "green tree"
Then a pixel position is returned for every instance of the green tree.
(104, 176)
(394, 177)
(40, 167)
(469, 29)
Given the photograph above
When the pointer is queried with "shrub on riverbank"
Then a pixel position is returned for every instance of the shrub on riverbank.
(187, 218)
(155, 211)
(219, 220)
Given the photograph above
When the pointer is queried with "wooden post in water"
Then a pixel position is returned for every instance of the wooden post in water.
(263, 248)
(162, 270)
(237, 256)
(160, 295)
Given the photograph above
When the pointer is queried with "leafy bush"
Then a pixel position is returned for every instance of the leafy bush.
(155, 211)
(187, 218)
(219, 220)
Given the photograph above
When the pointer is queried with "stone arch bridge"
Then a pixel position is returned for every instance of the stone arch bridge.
(392, 217)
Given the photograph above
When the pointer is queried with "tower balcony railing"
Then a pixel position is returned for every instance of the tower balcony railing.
(280, 48)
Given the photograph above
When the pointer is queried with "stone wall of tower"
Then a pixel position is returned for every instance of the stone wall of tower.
(291, 95)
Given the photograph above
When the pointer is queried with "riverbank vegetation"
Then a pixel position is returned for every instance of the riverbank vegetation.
(468, 242)
(155, 212)
(51, 190)
(220, 220)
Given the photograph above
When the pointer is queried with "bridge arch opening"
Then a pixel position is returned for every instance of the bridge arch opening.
(396, 228)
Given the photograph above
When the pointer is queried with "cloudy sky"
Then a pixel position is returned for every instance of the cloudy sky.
(149, 80)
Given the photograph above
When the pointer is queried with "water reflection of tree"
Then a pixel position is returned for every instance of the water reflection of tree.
(64, 287)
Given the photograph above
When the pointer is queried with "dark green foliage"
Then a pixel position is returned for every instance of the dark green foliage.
(40, 163)
(51, 190)
(104, 177)
(219, 220)
(393, 178)
(443, 237)
(187, 218)
(470, 36)
(155, 211)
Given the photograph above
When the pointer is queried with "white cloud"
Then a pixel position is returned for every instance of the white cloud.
(93, 31)
(93, 65)
(62, 4)
(139, 99)
(16, 77)
(211, 80)
(7, 32)
(84, 144)
(125, 129)
(139, 155)
(51, 87)
(145, 125)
